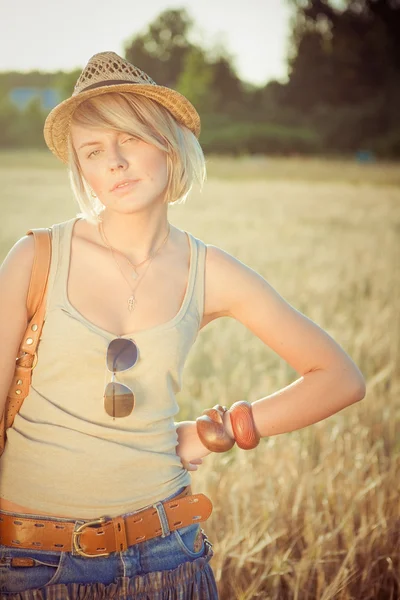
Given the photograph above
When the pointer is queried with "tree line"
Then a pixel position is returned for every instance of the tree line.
(342, 94)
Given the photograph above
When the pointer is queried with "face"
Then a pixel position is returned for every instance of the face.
(113, 156)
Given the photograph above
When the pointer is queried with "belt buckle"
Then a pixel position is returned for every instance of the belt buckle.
(79, 531)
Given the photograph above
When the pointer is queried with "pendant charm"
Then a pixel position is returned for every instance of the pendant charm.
(131, 303)
(135, 275)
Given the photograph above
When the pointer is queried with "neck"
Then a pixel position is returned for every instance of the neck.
(137, 235)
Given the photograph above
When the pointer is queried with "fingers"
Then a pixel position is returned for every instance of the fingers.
(192, 465)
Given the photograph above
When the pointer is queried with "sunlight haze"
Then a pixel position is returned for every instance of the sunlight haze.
(51, 36)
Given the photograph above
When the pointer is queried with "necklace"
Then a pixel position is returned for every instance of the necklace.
(134, 274)
(132, 299)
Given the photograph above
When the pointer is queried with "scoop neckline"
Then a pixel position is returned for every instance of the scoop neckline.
(161, 326)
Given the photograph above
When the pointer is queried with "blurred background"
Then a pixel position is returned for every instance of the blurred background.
(276, 77)
(300, 110)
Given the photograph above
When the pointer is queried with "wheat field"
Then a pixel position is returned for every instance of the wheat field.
(315, 513)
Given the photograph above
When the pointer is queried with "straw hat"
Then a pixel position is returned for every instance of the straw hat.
(108, 72)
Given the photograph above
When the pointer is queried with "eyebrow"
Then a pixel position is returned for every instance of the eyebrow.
(94, 143)
(88, 144)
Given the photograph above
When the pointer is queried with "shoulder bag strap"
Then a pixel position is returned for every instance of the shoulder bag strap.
(36, 306)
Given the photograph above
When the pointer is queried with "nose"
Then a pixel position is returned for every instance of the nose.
(117, 160)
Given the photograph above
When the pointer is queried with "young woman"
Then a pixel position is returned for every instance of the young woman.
(95, 498)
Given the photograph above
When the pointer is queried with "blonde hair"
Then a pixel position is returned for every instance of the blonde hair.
(151, 122)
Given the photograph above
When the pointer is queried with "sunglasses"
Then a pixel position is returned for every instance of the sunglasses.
(119, 400)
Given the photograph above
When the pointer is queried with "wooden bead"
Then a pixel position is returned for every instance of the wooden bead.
(211, 430)
(243, 425)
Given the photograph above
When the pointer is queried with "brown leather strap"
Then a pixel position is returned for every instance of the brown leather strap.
(40, 269)
(36, 305)
(102, 536)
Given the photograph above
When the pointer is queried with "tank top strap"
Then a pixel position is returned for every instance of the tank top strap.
(59, 266)
(197, 299)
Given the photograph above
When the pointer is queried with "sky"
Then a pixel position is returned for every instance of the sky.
(50, 35)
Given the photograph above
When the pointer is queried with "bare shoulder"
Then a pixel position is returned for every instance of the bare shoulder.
(15, 273)
(15, 276)
(17, 266)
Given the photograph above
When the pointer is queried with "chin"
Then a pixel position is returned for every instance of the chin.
(132, 205)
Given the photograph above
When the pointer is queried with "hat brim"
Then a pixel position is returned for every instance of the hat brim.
(56, 126)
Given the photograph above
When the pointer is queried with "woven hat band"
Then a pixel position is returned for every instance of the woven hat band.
(103, 83)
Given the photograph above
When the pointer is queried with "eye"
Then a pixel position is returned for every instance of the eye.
(127, 140)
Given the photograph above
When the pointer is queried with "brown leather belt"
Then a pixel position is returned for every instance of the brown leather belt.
(104, 535)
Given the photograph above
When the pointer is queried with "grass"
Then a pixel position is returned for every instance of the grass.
(308, 169)
(311, 514)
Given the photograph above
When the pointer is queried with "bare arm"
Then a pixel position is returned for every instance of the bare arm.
(330, 380)
(15, 273)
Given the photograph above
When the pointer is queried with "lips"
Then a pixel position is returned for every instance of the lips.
(122, 182)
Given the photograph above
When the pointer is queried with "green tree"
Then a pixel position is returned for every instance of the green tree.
(345, 71)
(196, 81)
(27, 128)
(161, 50)
(9, 114)
(228, 88)
(344, 55)
(64, 82)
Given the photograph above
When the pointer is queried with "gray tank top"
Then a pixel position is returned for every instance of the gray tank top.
(64, 454)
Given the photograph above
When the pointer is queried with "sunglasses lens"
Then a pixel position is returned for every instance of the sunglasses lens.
(121, 355)
(118, 400)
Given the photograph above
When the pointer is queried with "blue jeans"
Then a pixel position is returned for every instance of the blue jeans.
(175, 566)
